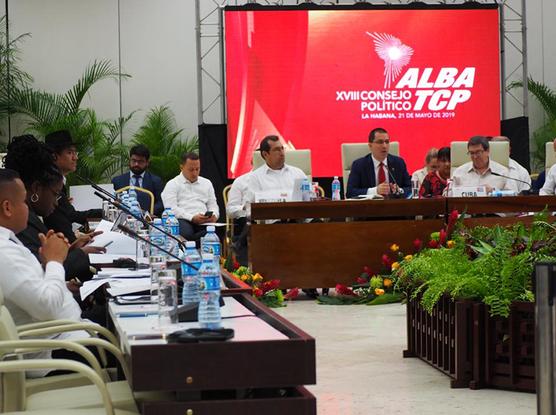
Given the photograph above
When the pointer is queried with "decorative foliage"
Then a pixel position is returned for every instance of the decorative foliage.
(492, 265)
(160, 134)
(268, 292)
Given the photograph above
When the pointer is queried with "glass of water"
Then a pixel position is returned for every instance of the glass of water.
(415, 189)
(157, 264)
(167, 297)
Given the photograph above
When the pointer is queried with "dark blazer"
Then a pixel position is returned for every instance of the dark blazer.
(77, 261)
(362, 175)
(150, 182)
(65, 214)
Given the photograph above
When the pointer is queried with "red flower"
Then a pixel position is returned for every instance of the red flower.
(292, 293)
(361, 280)
(417, 244)
(453, 218)
(343, 290)
(433, 244)
(257, 292)
(386, 260)
(270, 285)
(442, 236)
(236, 265)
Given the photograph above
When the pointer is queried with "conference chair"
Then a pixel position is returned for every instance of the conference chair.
(499, 152)
(550, 158)
(141, 190)
(297, 158)
(229, 223)
(354, 151)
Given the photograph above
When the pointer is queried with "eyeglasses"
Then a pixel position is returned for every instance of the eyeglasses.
(475, 153)
(381, 142)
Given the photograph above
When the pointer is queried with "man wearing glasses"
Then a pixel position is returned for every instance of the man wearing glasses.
(379, 173)
(481, 170)
(65, 157)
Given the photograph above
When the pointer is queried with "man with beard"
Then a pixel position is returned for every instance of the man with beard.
(138, 176)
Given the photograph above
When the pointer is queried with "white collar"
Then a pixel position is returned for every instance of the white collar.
(142, 175)
(377, 163)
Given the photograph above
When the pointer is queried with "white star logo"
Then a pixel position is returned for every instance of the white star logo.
(393, 52)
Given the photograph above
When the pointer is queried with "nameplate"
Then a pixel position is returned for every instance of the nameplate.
(272, 196)
(469, 191)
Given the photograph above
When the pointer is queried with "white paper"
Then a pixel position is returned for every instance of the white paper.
(128, 286)
(90, 287)
(84, 197)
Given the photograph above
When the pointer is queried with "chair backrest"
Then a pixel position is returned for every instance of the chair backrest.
(229, 222)
(550, 158)
(499, 152)
(141, 190)
(12, 393)
(353, 151)
(2, 155)
(297, 158)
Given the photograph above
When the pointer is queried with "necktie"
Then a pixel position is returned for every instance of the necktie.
(381, 173)
(136, 178)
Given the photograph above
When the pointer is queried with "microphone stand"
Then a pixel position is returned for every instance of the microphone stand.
(96, 187)
(123, 208)
(400, 190)
(523, 192)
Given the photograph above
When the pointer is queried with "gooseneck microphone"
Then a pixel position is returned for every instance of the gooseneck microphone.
(399, 190)
(122, 207)
(96, 186)
(524, 192)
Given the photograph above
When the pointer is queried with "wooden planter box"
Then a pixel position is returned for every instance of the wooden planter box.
(475, 350)
(443, 339)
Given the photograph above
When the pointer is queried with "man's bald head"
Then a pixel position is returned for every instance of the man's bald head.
(14, 211)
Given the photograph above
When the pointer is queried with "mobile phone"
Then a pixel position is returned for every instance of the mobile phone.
(208, 213)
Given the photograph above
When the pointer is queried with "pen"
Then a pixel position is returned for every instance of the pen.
(108, 244)
(133, 314)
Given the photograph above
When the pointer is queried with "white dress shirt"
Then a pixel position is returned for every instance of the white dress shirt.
(188, 199)
(132, 179)
(549, 183)
(518, 172)
(371, 191)
(238, 197)
(265, 178)
(466, 175)
(32, 294)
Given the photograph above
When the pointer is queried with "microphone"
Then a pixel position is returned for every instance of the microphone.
(523, 192)
(123, 208)
(96, 186)
(399, 190)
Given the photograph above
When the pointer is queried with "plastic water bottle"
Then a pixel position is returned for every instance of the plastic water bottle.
(135, 209)
(306, 190)
(336, 188)
(157, 238)
(209, 307)
(210, 244)
(190, 275)
(164, 216)
(173, 228)
(132, 194)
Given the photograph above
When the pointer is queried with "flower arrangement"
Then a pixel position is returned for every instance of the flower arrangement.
(492, 265)
(268, 292)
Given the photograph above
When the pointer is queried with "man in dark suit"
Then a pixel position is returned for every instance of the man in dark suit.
(379, 173)
(65, 158)
(139, 176)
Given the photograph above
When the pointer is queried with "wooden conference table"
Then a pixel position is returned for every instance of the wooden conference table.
(355, 233)
(261, 370)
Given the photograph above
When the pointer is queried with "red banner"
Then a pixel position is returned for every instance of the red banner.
(319, 78)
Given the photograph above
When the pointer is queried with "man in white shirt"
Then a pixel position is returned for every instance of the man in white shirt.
(275, 174)
(516, 171)
(31, 293)
(481, 170)
(191, 198)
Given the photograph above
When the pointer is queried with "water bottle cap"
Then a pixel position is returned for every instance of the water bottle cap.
(335, 177)
(211, 228)
(190, 244)
(208, 257)
(157, 221)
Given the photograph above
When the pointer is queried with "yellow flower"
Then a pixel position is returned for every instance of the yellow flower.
(257, 277)
(244, 277)
(395, 266)
(408, 257)
(379, 291)
(394, 248)
(387, 282)
(451, 243)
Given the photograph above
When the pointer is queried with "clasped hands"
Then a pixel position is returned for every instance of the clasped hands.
(387, 188)
(199, 219)
(55, 246)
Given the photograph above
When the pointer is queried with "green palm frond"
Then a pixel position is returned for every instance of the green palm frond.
(43, 108)
(96, 71)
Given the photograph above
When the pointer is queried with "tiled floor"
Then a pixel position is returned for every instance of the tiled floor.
(361, 371)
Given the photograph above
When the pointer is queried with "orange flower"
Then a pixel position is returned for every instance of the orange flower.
(244, 277)
(408, 257)
(379, 291)
(387, 282)
(395, 266)
(394, 248)
(257, 277)
(451, 243)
